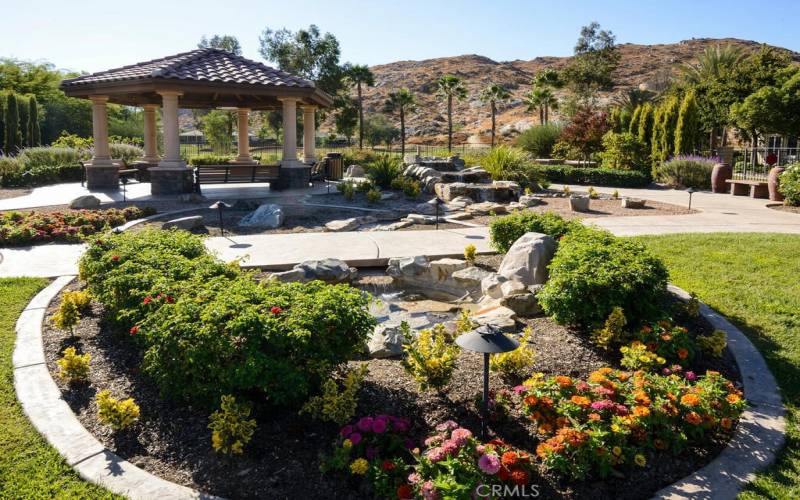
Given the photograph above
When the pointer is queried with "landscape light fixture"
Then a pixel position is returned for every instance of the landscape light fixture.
(124, 181)
(487, 339)
(691, 191)
(438, 204)
(219, 206)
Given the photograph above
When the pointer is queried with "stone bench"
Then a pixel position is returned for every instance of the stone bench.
(756, 189)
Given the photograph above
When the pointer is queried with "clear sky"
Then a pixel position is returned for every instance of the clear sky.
(95, 35)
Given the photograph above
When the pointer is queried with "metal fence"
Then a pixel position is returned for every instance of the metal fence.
(755, 164)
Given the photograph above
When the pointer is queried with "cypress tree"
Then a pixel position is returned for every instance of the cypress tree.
(645, 130)
(655, 137)
(2, 121)
(23, 112)
(666, 135)
(11, 141)
(633, 127)
(34, 132)
(687, 125)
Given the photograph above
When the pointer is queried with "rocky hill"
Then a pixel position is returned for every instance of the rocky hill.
(639, 64)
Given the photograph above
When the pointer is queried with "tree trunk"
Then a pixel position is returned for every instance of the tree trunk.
(754, 143)
(449, 124)
(360, 119)
(494, 111)
(546, 113)
(402, 133)
(541, 115)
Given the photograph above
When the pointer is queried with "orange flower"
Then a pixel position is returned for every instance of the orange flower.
(545, 429)
(641, 397)
(562, 421)
(733, 398)
(536, 415)
(509, 459)
(520, 477)
(693, 418)
(623, 376)
(594, 417)
(726, 423)
(641, 411)
(597, 377)
(659, 444)
(683, 353)
(690, 400)
(542, 450)
(530, 400)
(646, 329)
(582, 401)
(605, 370)
(671, 397)
(666, 337)
(563, 381)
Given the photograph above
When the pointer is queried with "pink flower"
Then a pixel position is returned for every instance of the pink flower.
(436, 454)
(134, 330)
(602, 405)
(433, 440)
(582, 386)
(481, 449)
(414, 478)
(690, 376)
(460, 436)
(519, 389)
(446, 426)
(346, 430)
(489, 463)
(365, 424)
(355, 438)
(429, 491)
(379, 426)
(147, 300)
(450, 447)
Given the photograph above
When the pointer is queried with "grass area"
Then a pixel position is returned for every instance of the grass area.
(29, 467)
(754, 280)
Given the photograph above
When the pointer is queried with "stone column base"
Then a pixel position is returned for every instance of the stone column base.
(144, 166)
(102, 177)
(295, 177)
(171, 180)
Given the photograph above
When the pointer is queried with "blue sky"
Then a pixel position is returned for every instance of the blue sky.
(94, 35)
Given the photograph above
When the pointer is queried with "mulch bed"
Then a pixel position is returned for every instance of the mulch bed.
(6, 193)
(785, 208)
(282, 460)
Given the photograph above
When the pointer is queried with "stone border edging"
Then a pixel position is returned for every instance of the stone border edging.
(41, 400)
(759, 435)
(761, 431)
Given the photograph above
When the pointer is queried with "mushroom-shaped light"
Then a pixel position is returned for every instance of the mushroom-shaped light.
(219, 205)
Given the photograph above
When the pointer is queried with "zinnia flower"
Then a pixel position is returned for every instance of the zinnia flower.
(388, 465)
(414, 478)
(276, 310)
(365, 424)
(640, 460)
(429, 491)
(690, 376)
(446, 426)
(346, 430)
(489, 463)
(509, 459)
(379, 426)
(520, 477)
(147, 300)
(359, 466)
(355, 438)
(404, 492)
(733, 398)
(460, 436)
(134, 329)
(690, 400)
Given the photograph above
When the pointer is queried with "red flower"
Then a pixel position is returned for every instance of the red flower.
(509, 459)
(520, 477)
(147, 300)
(115, 258)
(134, 329)
(169, 299)
(404, 492)
(276, 310)
(387, 465)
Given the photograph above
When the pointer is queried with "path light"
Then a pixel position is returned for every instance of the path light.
(691, 191)
(438, 204)
(219, 206)
(124, 181)
(488, 340)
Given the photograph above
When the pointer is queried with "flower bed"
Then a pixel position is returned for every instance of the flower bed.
(26, 228)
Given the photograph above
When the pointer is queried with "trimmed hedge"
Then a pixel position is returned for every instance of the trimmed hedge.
(505, 230)
(565, 174)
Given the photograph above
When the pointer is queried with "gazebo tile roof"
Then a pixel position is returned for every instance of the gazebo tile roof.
(201, 65)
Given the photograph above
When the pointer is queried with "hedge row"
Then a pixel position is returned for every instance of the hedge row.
(565, 174)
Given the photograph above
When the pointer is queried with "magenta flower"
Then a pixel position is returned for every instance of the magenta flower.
(449, 447)
(605, 404)
(365, 424)
(379, 426)
(355, 438)
(446, 426)
(489, 463)
(690, 376)
(519, 389)
(346, 431)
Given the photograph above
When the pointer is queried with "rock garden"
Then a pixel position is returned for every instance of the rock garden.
(330, 381)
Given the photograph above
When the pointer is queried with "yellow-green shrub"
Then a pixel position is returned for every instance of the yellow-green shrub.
(516, 363)
(67, 316)
(612, 331)
(469, 253)
(73, 367)
(593, 194)
(465, 323)
(431, 358)
(81, 299)
(713, 344)
(230, 428)
(115, 413)
(335, 405)
(693, 306)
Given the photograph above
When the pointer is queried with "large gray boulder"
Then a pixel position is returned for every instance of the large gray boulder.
(444, 279)
(528, 258)
(187, 223)
(268, 215)
(328, 270)
(85, 202)
(354, 171)
(337, 226)
(386, 340)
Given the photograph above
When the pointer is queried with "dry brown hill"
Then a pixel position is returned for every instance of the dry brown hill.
(639, 64)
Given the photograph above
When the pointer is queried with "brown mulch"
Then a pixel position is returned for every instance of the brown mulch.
(785, 208)
(6, 193)
(172, 440)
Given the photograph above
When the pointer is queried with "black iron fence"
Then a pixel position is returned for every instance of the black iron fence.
(755, 163)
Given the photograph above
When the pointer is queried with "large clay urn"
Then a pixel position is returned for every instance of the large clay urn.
(773, 183)
(719, 174)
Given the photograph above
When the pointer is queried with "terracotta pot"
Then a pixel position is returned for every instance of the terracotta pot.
(772, 183)
(719, 174)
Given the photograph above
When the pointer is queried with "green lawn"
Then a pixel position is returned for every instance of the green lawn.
(29, 467)
(754, 280)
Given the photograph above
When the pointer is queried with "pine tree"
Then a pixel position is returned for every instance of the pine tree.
(687, 126)
(34, 132)
(12, 140)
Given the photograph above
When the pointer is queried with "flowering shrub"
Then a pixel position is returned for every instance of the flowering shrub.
(686, 171)
(469, 253)
(73, 367)
(115, 413)
(789, 184)
(615, 417)
(516, 363)
(18, 228)
(637, 357)
(335, 405)
(714, 344)
(230, 428)
(667, 341)
(431, 358)
(375, 448)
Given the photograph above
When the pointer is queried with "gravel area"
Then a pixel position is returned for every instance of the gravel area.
(282, 461)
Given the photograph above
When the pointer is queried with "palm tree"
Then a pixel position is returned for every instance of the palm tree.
(492, 95)
(542, 99)
(548, 78)
(633, 98)
(713, 63)
(400, 102)
(358, 75)
(450, 87)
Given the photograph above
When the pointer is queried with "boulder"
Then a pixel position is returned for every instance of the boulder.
(528, 258)
(497, 315)
(289, 276)
(267, 216)
(187, 223)
(486, 208)
(525, 305)
(448, 192)
(426, 208)
(420, 219)
(579, 203)
(407, 266)
(459, 216)
(529, 200)
(444, 279)
(336, 226)
(386, 341)
(466, 200)
(398, 225)
(443, 269)
(471, 278)
(513, 287)
(632, 203)
(327, 270)
(85, 202)
(354, 171)
(491, 286)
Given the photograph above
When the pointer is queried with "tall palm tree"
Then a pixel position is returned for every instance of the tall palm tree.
(359, 75)
(542, 99)
(400, 102)
(633, 98)
(713, 63)
(450, 87)
(548, 78)
(492, 95)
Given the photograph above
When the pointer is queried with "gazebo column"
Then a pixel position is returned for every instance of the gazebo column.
(244, 137)
(309, 135)
(150, 139)
(171, 176)
(101, 173)
(293, 174)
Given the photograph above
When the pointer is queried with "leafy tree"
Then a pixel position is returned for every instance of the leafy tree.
(218, 129)
(306, 53)
(663, 141)
(346, 117)
(380, 130)
(34, 132)
(450, 87)
(585, 131)
(492, 95)
(549, 78)
(359, 75)
(401, 102)
(13, 140)
(224, 42)
(687, 130)
(595, 59)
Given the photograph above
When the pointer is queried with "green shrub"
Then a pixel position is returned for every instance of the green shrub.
(564, 151)
(125, 152)
(384, 170)
(505, 230)
(517, 363)
(359, 157)
(74, 141)
(512, 164)
(210, 159)
(790, 184)
(373, 196)
(539, 140)
(347, 189)
(44, 156)
(593, 272)
(430, 357)
(623, 151)
(73, 367)
(686, 171)
(10, 168)
(115, 413)
(334, 404)
(410, 188)
(565, 174)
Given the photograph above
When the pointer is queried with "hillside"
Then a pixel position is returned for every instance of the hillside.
(648, 64)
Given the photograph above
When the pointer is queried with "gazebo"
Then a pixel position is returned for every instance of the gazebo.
(202, 78)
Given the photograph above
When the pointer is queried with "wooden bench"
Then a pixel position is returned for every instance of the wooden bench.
(234, 174)
(756, 189)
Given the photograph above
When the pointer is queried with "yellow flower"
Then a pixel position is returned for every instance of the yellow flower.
(615, 428)
(359, 466)
(640, 460)
(347, 444)
(617, 451)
